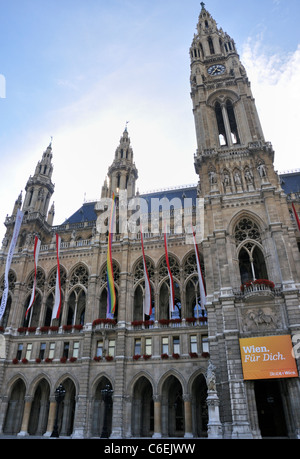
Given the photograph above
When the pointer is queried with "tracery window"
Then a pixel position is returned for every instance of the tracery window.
(251, 257)
(103, 275)
(139, 270)
(246, 229)
(40, 280)
(52, 278)
(80, 276)
(174, 266)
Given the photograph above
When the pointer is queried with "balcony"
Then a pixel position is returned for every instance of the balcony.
(258, 288)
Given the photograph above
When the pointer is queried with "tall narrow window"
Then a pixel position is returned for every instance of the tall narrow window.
(99, 350)
(66, 350)
(204, 341)
(30, 196)
(221, 124)
(111, 347)
(51, 350)
(193, 344)
(42, 351)
(28, 351)
(232, 122)
(19, 351)
(165, 345)
(148, 346)
(137, 346)
(76, 349)
(211, 45)
(176, 345)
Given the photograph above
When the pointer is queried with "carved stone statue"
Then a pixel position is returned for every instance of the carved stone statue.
(211, 377)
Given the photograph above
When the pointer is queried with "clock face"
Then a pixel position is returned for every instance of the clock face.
(216, 69)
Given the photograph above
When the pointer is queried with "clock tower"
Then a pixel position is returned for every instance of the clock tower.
(249, 249)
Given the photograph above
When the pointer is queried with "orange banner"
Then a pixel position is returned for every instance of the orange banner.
(268, 357)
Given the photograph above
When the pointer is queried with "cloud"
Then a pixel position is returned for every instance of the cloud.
(275, 81)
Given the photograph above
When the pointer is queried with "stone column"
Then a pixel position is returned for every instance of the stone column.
(51, 416)
(214, 423)
(157, 416)
(3, 411)
(188, 416)
(26, 415)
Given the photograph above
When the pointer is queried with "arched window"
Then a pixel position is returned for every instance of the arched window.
(76, 307)
(251, 258)
(227, 125)
(221, 124)
(139, 291)
(103, 296)
(232, 122)
(211, 45)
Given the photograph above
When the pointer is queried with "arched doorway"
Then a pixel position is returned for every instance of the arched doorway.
(172, 408)
(142, 409)
(99, 410)
(39, 409)
(14, 414)
(199, 407)
(270, 411)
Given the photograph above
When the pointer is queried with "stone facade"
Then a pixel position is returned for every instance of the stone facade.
(176, 375)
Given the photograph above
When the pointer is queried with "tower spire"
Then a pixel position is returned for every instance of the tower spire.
(122, 174)
(39, 187)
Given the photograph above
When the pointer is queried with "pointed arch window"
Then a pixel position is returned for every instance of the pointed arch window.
(232, 123)
(211, 45)
(227, 124)
(252, 263)
(221, 125)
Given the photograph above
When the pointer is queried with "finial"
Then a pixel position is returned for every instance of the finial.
(50, 144)
(126, 125)
(203, 5)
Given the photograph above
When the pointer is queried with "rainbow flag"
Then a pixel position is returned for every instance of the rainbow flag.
(111, 292)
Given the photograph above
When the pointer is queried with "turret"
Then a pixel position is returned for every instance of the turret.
(40, 188)
(122, 174)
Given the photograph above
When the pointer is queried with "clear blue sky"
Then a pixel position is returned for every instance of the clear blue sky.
(77, 70)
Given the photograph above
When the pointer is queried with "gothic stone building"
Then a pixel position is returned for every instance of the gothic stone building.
(178, 377)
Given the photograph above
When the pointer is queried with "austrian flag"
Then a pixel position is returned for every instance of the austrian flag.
(200, 275)
(57, 301)
(147, 297)
(172, 296)
(37, 246)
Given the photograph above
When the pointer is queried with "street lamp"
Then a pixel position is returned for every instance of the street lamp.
(106, 397)
(60, 393)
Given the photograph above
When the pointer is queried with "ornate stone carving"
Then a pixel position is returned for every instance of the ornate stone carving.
(267, 318)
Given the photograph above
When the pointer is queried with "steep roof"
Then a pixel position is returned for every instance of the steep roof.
(290, 183)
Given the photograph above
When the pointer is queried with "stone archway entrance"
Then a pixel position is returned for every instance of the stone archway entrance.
(15, 409)
(39, 409)
(199, 407)
(99, 410)
(142, 409)
(173, 424)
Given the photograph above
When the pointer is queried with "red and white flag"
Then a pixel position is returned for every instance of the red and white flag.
(296, 216)
(172, 296)
(147, 297)
(57, 301)
(37, 246)
(200, 275)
